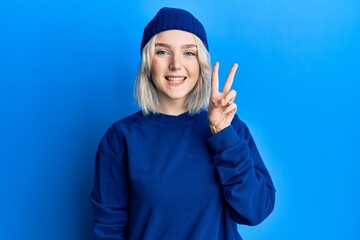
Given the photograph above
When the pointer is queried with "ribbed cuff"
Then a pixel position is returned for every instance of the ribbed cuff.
(223, 139)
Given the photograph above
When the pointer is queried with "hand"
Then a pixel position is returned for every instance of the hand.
(222, 108)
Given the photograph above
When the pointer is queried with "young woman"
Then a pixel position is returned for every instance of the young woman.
(185, 166)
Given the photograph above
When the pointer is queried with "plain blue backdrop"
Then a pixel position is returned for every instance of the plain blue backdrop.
(67, 70)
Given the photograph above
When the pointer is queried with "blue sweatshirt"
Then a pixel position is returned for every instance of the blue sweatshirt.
(161, 177)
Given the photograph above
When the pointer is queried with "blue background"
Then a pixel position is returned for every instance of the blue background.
(66, 74)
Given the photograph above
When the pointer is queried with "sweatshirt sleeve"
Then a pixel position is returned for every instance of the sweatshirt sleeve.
(246, 184)
(109, 199)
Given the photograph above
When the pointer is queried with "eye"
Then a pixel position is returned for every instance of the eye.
(162, 52)
(190, 53)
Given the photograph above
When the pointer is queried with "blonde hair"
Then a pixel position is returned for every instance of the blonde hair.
(145, 91)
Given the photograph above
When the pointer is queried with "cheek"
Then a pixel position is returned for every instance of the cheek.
(196, 70)
(156, 67)
(153, 67)
(153, 71)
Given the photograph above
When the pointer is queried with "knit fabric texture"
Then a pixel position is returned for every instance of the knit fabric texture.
(173, 19)
(168, 177)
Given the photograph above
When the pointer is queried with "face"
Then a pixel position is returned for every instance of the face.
(175, 67)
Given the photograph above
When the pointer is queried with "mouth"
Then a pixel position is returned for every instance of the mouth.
(175, 79)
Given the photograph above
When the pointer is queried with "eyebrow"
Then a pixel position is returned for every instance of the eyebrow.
(183, 46)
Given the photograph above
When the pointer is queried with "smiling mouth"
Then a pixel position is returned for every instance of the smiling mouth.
(174, 79)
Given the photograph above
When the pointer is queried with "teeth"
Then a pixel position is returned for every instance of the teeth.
(175, 79)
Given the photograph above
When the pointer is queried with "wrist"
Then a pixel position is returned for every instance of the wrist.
(213, 129)
(216, 129)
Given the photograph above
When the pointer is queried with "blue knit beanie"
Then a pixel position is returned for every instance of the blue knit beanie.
(173, 18)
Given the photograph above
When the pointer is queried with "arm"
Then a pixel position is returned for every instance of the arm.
(109, 199)
(245, 181)
(246, 184)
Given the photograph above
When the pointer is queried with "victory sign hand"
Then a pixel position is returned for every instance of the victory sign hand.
(222, 108)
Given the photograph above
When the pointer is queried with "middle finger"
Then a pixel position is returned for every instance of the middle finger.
(230, 78)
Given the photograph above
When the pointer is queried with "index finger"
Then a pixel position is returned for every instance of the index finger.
(230, 78)
(215, 79)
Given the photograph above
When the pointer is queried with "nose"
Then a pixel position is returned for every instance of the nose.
(175, 62)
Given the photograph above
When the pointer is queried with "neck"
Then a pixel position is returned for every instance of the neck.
(175, 107)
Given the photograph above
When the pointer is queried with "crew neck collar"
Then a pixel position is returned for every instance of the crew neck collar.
(170, 119)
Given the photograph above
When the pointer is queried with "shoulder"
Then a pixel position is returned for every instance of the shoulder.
(118, 130)
(125, 122)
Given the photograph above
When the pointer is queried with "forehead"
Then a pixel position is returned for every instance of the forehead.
(175, 37)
